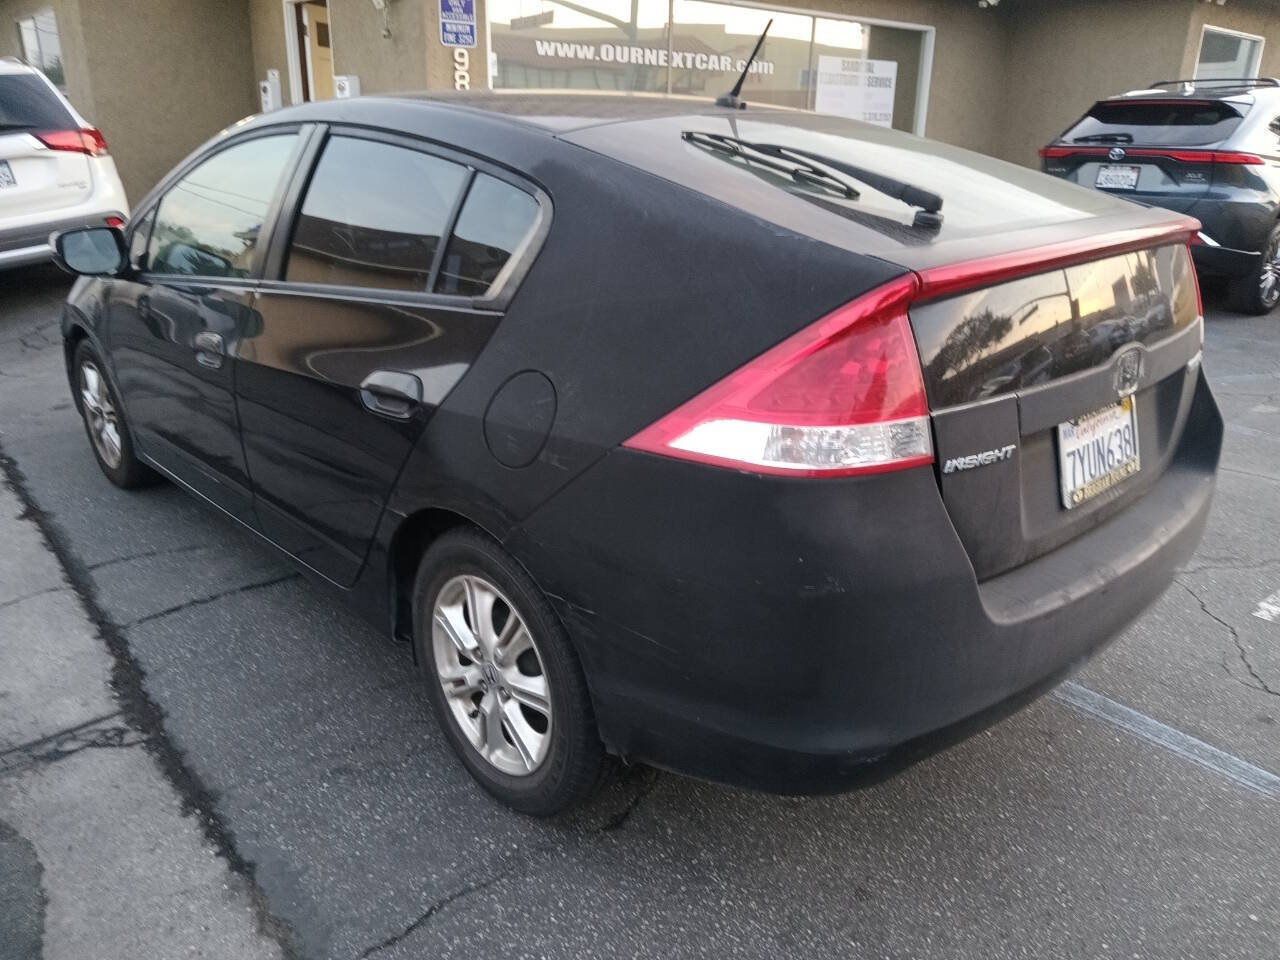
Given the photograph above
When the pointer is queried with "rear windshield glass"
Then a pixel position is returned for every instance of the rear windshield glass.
(1164, 123)
(27, 103)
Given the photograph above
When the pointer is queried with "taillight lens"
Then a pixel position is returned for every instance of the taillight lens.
(843, 396)
(1182, 156)
(89, 141)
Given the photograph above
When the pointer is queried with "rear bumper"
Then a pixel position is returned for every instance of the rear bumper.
(29, 243)
(806, 636)
(1225, 261)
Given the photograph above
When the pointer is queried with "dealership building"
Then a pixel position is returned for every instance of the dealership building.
(1000, 76)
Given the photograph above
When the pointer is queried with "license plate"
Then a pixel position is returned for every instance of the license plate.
(6, 175)
(1098, 451)
(1117, 178)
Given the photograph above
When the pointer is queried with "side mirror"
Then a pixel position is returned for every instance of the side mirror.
(92, 251)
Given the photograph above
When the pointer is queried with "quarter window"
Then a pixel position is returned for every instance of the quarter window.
(495, 219)
(209, 223)
(373, 216)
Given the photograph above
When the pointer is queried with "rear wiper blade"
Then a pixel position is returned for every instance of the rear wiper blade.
(1105, 138)
(799, 170)
(928, 215)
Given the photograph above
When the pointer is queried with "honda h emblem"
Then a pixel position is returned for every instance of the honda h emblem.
(1128, 371)
(1115, 153)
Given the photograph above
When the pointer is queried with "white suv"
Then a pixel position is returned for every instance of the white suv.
(55, 173)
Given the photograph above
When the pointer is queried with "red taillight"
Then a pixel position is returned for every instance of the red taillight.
(1182, 156)
(89, 141)
(115, 222)
(843, 396)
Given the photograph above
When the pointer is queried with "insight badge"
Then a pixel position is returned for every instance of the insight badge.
(982, 459)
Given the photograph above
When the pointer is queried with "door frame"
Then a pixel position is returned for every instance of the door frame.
(299, 82)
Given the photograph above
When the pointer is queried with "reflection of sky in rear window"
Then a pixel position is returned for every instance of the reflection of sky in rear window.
(381, 187)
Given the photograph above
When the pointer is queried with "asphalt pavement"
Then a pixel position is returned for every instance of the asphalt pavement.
(1134, 814)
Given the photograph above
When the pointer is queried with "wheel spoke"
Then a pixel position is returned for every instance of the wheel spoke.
(524, 737)
(449, 619)
(480, 601)
(512, 641)
(90, 387)
(491, 714)
(461, 681)
(531, 691)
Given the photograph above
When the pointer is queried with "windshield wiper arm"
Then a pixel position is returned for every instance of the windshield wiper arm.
(801, 171)
(928, 215)
(1105, 138)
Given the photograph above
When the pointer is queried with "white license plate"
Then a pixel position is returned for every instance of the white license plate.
(6, 175)
(1098, 451)
(1117, 178)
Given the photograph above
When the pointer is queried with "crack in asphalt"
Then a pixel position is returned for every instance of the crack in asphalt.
(201, 601)
(1224, 565)
(160, 552)
(1249, 473)
(1260, 684)
(68, 743)
(143, 714)
(31, 596)
(32, 744)
(648, 782)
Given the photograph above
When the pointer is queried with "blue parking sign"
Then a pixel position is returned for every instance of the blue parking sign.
(458, 23)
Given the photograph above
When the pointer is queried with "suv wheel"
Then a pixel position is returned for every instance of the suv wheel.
(1259, 292)
(504, 682)
(105, 423)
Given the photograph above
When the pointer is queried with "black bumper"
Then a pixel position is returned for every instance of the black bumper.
(809, 635)
(1225, 261)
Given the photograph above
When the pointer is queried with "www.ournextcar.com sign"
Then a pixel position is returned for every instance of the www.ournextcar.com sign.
(648, 56)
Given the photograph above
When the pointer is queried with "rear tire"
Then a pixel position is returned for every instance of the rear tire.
(504, 681)
(110, 438)
(1259, 292)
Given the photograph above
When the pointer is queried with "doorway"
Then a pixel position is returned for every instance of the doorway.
(310, 50)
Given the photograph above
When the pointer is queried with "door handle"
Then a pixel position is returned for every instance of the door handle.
(391, 393)
(209, 349)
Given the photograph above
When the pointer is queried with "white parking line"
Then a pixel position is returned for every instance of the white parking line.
(1269, 608)
(1184, 745)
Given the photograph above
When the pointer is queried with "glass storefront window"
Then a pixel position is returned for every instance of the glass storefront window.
(867, 71)
(587, 45)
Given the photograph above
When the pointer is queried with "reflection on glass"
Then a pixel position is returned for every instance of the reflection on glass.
(1018, 334)
(587, 45)
(208, 223)
(373, 216)
(494, 219)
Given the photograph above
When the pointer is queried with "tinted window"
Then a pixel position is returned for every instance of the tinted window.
(1159, 122)
(495, 218)
(27, 103)
(373, 216)
(208, 223)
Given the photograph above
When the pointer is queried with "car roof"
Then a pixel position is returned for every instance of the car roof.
(12, 65)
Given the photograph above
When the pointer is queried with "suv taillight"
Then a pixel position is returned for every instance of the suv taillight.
(1182, 156)
(88, 140)
(843, 396)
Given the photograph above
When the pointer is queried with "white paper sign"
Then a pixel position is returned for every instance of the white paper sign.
(857, 88)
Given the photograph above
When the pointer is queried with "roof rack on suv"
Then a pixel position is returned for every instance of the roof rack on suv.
(1220, 81)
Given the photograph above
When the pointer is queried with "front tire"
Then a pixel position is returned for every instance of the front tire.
(1259, 292)
(503, 678)
(104, 421)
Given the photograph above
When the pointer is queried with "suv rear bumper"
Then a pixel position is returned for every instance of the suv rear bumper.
(29, 243)
(1225, 261)
(810, 635)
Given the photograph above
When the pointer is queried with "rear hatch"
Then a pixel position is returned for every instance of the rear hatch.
(1047, 316)
(1157, 149)
(1058, 398)
(42, 165)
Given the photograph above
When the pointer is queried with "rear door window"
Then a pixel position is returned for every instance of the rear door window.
(209, 222)
(1181, 123)
(373, 216)
(27, 103)
(495, 220)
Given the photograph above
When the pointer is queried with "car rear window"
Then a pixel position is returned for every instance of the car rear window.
(27, 103)
(494, 221)
(1159, 122)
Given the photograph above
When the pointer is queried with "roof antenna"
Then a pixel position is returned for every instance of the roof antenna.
(731, 99)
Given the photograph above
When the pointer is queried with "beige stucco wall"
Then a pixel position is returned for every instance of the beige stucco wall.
(383, 64)
(1065, 54)
(266, 32)
(78, 88)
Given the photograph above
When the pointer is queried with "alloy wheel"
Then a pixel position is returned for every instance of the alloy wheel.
(100, 414)
(1269, 277)
(488, 665)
